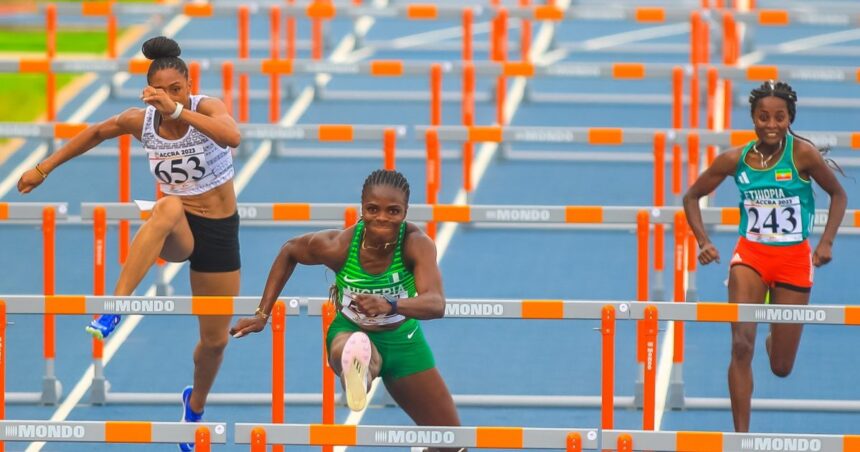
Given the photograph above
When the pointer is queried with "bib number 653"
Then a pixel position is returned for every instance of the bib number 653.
(179, 170)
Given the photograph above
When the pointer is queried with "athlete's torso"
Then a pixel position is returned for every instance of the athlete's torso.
(396, 280)
(191, 165)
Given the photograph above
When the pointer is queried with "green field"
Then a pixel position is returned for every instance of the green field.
(22, 96)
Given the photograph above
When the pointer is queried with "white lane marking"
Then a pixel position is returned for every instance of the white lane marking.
(618, 39)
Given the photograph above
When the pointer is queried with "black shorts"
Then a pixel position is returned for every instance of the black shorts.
(216, 243)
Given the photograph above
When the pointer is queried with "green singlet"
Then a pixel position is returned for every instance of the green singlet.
(404, 350)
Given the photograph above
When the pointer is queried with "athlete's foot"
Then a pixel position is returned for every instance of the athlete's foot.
(188, 415)
(103, 326)
(355, 362)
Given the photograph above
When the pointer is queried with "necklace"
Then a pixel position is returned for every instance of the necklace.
(764, 161)
(383, 246)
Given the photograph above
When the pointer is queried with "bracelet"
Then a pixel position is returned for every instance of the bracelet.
(259, 313)
(178, 111)
(41, 173)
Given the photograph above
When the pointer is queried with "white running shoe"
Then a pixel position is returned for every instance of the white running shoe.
(355, 364)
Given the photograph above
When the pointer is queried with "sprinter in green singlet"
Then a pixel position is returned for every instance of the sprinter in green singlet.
(774, 175)
(387, 279)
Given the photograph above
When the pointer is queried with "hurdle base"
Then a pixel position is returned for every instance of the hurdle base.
(638, 394)
(675, 397)
(99, 391)
(52, 390)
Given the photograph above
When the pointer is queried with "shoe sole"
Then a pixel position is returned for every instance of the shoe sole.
(355, 361)
(96, 334)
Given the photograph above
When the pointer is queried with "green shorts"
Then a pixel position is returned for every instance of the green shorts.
(404, 351)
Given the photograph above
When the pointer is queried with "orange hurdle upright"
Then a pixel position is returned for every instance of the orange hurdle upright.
(279, 324)
(124, 194)
(99, 258)
(50, 50)
(2, 364)
(49, 221)
(243, 27)
(607, 391)
(649, 396)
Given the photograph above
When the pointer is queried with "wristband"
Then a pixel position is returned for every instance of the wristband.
(178, 111)
(41, 173)
(392, 301)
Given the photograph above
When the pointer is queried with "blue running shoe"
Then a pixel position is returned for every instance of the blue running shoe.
(188, 415)
(101, 327)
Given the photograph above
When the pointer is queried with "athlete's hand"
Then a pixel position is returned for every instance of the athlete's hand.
(708, 253)
(823, 254)
(29, 180)
(370, 305)
(248, 325)
(158, 99)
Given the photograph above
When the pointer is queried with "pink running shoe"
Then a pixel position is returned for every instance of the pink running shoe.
(355, 363)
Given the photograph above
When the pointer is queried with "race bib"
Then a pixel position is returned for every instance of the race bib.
(179, 168)
(350, 310)
(774, 220)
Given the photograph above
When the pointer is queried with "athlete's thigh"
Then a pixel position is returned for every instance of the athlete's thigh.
(425, 398)
(745, 286)
(785, 337)
(222, 284)
(179, 243)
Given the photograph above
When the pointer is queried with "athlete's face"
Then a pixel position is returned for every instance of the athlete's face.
(383, 209)
(174, 83)
(771, 120)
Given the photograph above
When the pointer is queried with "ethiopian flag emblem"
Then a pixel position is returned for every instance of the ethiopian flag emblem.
(783, 175)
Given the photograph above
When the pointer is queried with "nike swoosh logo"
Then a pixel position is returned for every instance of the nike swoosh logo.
(350, 280)
(409, 336)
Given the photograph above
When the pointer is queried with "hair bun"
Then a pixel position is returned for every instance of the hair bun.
(161, 47)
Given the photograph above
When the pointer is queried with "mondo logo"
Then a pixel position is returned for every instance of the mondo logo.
(135, 306)
(474, 309)
(41, 431)
(777, 444)
(415, 437)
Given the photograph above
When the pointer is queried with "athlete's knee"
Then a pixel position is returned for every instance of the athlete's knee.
(214, 345)
(742, 349)
(167, 211)
(781, 368)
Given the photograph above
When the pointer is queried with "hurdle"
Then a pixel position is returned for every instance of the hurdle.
(202, 434)
(47, 215)
(571, 440)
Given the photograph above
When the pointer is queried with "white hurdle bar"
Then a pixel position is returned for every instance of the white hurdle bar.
(520, 214)
(454, 308)
(534, 438)
(111, 431)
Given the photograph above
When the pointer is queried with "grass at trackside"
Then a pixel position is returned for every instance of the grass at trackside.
(22, 96)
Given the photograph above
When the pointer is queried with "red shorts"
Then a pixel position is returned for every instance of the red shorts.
(789, 265)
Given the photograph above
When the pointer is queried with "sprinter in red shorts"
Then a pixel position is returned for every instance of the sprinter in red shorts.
(774, 175)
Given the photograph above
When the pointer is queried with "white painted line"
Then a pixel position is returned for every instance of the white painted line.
(11, 181)
(664, 374)
(618, 39)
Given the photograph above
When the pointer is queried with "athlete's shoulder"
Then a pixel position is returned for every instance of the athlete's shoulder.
(727, 162)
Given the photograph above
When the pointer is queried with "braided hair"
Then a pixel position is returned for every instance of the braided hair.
(390, 178)
(164, 53)
(785, 92)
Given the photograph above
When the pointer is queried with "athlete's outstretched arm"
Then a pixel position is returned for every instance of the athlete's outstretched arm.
(129, 121)
(810, 160)
(309, 249)
(724, 165)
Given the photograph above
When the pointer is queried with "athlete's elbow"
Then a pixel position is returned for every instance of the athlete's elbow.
(233, 139)
(439, 308)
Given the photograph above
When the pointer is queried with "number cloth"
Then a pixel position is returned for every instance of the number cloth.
(776, 205)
